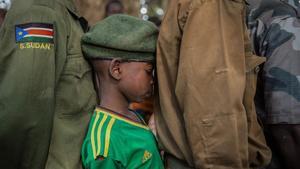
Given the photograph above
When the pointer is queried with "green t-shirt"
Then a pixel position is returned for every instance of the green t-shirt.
(114, 141)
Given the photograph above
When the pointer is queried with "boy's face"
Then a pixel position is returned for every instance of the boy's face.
(137, 80)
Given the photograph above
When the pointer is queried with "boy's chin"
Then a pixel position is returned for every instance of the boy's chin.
(139, 100)
(142, 98)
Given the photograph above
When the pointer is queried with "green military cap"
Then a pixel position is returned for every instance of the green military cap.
(121, 36)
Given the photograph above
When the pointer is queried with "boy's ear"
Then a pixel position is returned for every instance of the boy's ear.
(114, 69)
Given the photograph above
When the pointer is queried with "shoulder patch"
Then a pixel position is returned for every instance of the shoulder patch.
(34, 36)
(34, 32)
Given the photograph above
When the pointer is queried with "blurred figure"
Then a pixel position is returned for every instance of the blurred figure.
(2, 15)
(153, 11)
(4, 7)
(114, 7)
(275, 34)
(94, 10)
(155, 20)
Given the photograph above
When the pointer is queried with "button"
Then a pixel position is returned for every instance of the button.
(256, 69)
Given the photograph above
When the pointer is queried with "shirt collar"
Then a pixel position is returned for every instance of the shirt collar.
(70, 5)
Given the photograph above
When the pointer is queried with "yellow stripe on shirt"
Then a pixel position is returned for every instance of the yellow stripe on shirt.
(98, 110)
(107, 136)
(99, 133)
(92, 135)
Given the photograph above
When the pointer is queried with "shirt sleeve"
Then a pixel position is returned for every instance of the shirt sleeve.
(168, 115)
(27, 73)
(282, 71)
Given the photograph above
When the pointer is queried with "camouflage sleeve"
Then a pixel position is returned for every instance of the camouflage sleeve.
(281, 73)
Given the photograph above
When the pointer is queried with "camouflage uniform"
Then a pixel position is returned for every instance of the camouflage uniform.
(275, 33)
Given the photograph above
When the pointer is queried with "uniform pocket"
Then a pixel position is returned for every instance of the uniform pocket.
(221, 142)
(75, 90)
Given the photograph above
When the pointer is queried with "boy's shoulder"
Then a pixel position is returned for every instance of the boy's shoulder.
(114, 137)
(98, 143)
(120, 120)
(110, 131)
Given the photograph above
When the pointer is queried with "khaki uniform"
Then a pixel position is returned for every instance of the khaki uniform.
(46, 88)
(207, 79)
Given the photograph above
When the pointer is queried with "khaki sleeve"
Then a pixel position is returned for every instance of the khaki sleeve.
(169, 120)
(27, 85)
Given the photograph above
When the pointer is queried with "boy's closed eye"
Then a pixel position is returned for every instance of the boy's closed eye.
(149, 71)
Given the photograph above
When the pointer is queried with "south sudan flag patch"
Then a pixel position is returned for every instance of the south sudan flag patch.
(34, 32)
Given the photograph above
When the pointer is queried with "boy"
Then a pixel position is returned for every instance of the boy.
(121, 49)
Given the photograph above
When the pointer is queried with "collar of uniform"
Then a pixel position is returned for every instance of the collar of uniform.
(70, 5)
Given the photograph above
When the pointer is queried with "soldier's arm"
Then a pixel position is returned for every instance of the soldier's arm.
(168, 48)
(167, 111)
(27, 73)
(282, 86)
